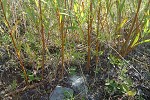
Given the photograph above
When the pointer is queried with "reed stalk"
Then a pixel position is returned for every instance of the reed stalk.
(97, 42)
(124, 49)
(61, 30)
(139, 27)
(62, 45)
(118, 24)
(89, 36)
(43, 39)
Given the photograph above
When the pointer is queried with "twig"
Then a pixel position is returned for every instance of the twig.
(27, 88)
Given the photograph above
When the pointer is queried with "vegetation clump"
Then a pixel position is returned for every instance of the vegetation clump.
(45, 41)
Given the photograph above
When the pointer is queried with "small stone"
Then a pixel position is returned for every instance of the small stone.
(78, 85)
(61, 93)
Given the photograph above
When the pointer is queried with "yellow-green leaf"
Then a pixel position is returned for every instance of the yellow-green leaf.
(123, 22)
(131, 93)
(136, 39)
(36, 2)
(82, 14)
(60, 20)
(75, 7)
(144, 41)
(1, 30)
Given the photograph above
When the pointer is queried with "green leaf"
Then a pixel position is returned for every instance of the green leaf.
(125, 87)
(14, 84)
(31, 77)
(146, 25)
(66, 14)
(5, 6)
(107, 83)
(43, 1)
(37, 78)
(72, 27)
(121, 6)
(72, 70)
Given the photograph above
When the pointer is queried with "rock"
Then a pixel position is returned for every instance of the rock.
(61, 93)
(146, 75)
(78, 85)
(144, 92)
